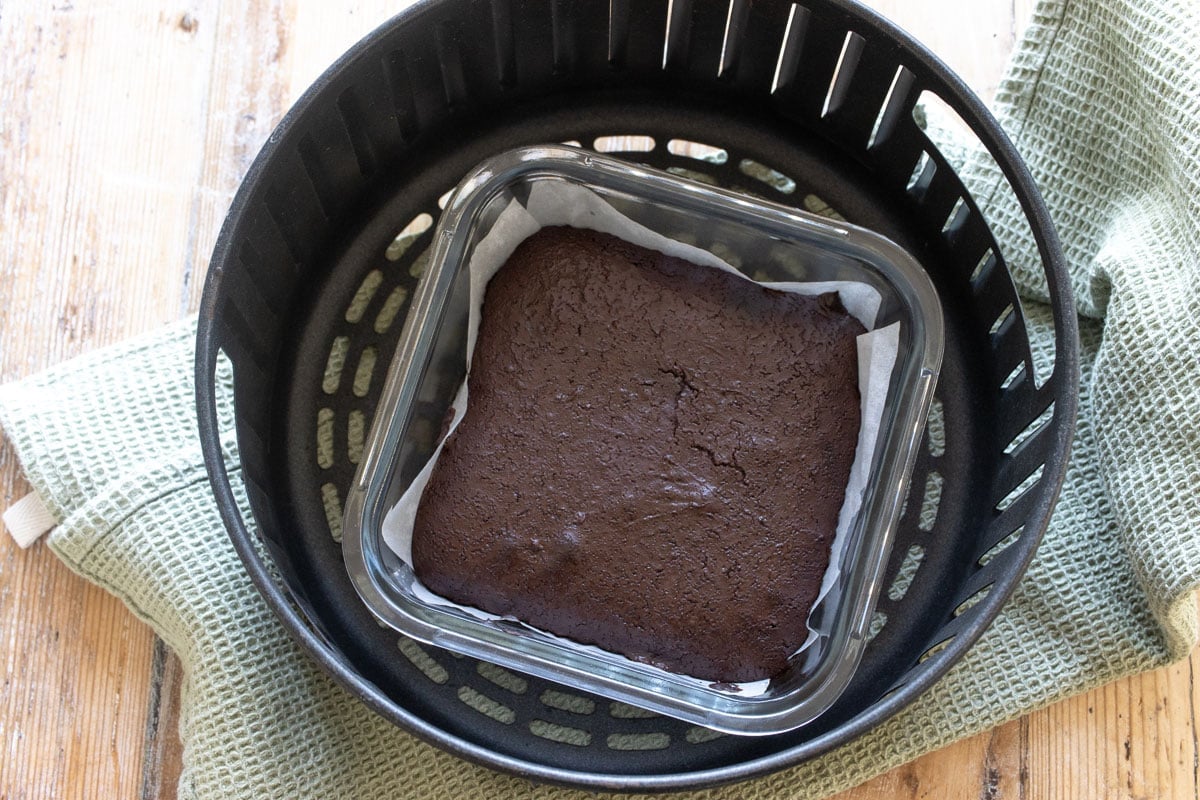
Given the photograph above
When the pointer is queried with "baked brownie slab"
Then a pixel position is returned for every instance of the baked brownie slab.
(652, 460)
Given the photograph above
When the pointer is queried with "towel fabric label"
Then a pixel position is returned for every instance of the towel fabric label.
(27, 519)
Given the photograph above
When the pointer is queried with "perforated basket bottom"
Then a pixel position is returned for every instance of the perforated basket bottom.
(346, 331)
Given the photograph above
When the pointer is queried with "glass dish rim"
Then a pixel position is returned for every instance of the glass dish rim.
(730, 714)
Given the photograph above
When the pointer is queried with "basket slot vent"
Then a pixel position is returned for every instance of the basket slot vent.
(679, 23)
(931, 501)
(698, 177)
(698, 735)
(922, 176)
(619, 710)
(1017, 374)
(878, 622)
(893, 156)
(407, 235)
(983, 268)
(450, 64)
(502, 39)
(421, 659)
(979, 582)
(942, 125)
(701, 152)
(638, 741)
(937, 648)
(444, 200)
(420, 223)
(562, 734)
(843, 73)
(502, 678)
(391, 309)
(771, 177)
(791, 48)
(935, 429)
(906, 573)
(356, 435)
(1027, 451)
(1042, 357)
(564, 701)
(818, 206)
(363, 296)
(1020, 489)
(731, 43)
(311, 160)
(993, 293)
(1003, 317)
(331, 499)
(1010, 343)
(1024, 404)
(493, 709)
(365, 371)
(325, 438)
(1040, 423)
(948, 130)
(355, 123)
(904, 506)
(972, 601)
(899, 685)
(895, 106)
(999, 547)
(936, 191)
(395, 70)
(968, 234)
(627, 143)
(956, 219)
(417, 268)
(1017, 512)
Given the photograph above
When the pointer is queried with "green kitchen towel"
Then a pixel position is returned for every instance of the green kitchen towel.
(1103, 100)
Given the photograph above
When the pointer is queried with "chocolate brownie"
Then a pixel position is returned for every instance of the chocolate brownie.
(652, 460)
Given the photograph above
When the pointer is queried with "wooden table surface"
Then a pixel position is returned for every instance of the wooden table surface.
(124, 130)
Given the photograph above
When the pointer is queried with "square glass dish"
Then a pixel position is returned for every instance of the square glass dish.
(506, 199)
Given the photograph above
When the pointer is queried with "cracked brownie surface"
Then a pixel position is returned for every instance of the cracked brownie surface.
(653, 457)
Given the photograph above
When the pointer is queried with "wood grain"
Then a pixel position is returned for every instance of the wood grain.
(95, 170)
(124, 131)
(162, 752)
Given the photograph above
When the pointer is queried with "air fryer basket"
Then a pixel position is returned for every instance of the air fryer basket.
(809, 104)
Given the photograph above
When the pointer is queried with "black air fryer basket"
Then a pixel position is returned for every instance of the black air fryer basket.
(809, 104)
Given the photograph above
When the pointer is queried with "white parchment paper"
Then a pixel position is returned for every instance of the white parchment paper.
(553, 203)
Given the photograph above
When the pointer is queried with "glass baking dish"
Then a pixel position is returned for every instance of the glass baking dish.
(783, 246)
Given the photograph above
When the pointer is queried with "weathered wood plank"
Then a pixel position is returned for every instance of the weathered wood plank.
(97, 156)
(163, 752)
